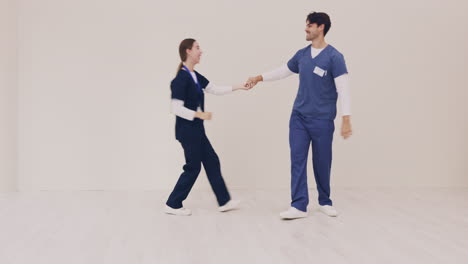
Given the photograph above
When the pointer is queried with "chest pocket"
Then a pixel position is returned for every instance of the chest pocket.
(325, 80)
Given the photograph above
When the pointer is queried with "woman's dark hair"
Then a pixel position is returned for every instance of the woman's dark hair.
(320, 19)
(184, 45)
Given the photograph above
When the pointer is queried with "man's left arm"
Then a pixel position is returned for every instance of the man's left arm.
(344, 94)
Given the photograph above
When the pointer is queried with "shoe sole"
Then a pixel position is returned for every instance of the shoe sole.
(292, 218)
(178, 214)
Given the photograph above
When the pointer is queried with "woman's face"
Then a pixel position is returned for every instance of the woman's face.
(195, 53)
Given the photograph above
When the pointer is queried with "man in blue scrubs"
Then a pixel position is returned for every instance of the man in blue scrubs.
(322, 78)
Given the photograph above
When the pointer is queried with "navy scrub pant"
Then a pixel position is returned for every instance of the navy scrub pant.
(198, 151)
(302, 132)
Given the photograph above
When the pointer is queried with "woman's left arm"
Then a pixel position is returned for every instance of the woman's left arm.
(222, 90)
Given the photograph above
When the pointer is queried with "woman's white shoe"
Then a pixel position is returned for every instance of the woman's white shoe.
(231, 205)
(180, 211)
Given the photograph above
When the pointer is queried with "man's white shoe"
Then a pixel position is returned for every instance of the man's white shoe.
(293, 213)
(231, 205)
(180, 211)
(329, 210)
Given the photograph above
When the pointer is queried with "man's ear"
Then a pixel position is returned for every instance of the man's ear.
(322, 27)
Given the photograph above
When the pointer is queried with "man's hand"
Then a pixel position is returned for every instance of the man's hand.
(346, 130)
(252, 81)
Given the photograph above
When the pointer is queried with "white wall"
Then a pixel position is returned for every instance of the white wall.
(8, 96)
(94, 91)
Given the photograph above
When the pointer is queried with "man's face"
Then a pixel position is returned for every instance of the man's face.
(313, 31)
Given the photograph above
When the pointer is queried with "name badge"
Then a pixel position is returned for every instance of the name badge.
(320, 72)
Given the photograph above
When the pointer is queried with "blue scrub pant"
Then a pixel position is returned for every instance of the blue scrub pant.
(302, 132)
(198, 151)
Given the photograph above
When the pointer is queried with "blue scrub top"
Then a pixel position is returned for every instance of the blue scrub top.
(316, 97)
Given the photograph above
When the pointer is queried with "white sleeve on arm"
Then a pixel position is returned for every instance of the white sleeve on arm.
(218, 90)
(180, 110)
(344, 93)
(277, 74)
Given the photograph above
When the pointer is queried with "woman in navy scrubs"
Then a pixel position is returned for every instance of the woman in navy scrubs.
(188, 99)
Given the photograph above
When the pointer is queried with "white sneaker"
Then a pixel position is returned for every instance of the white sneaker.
(293, 213)
(180, 211)
(231, 205)
(328, 210)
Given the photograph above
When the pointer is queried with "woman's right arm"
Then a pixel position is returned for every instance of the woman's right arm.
(178, 108)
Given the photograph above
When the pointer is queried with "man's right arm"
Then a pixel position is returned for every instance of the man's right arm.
(274, 75)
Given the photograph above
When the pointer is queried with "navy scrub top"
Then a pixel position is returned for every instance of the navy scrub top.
(184, 88)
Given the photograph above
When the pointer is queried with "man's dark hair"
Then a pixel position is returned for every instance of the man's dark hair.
(320, 19)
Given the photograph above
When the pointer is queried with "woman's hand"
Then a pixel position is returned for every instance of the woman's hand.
(241, 87)
(203, 115)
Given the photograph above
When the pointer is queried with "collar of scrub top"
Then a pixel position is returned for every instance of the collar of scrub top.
(198, 84)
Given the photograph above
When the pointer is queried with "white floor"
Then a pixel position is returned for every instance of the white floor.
(375, 226)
